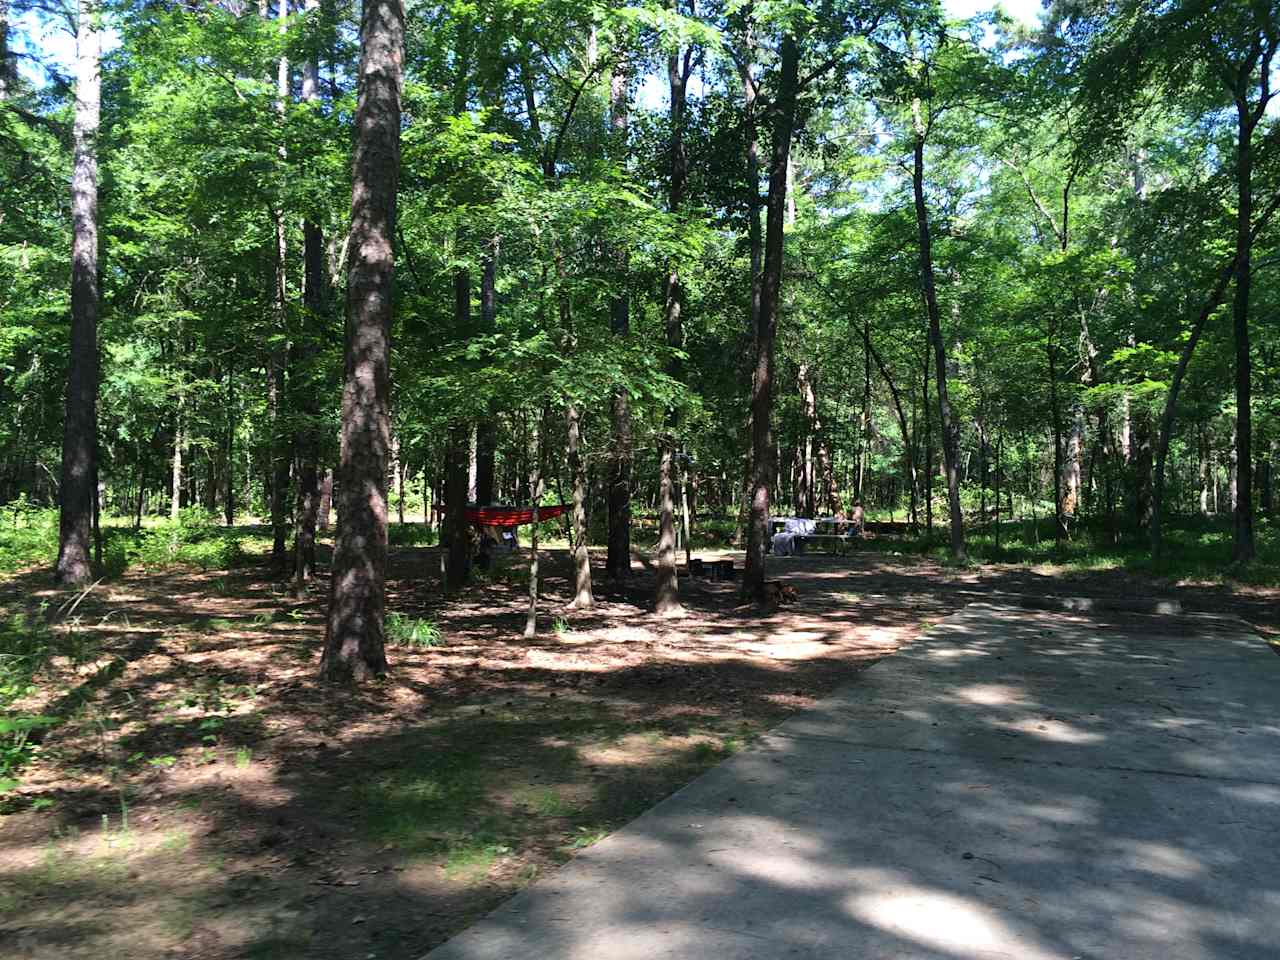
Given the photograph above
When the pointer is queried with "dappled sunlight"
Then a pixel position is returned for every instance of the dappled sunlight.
(937, 919)
(990, 694)
(1163, 859)
(1054, 731)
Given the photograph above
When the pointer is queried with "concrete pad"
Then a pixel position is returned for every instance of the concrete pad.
(1013, 785)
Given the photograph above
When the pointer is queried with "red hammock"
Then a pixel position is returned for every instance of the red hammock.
(507, 516)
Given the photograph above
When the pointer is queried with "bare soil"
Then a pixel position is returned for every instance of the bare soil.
(207, 798)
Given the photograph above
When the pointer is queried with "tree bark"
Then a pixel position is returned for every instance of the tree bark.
(808, 463)
(667, 585)
(949, 426)
(326, 501)
(354, 639)
(1055, 429)
(458, 460)
(80, 428)
(1243, 548)
(907, 446)
(582, 597)
(281, 454)
(621, 458)
(537, 457)
(306, 393)
(762, 452)
(486, 429)
(175, 498)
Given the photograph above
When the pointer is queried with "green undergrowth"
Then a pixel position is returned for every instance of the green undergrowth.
(29, 538)
(1194, 549)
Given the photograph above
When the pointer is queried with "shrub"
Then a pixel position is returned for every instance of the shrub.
(405, 631)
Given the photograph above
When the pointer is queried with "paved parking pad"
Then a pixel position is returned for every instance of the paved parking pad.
(1014, 784)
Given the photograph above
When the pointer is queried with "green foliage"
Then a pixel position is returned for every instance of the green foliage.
(194, 539)
(26, 646)
(410, 632)
(28, 535)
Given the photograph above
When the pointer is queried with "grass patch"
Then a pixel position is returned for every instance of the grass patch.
(428, 803)
(405, 631)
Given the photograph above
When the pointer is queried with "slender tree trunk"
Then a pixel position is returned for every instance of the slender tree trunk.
(281, 455)
(486, 429)
(999, 460)
(949, 426)
(582, 597)
(1265, 469)
(755, 239)
(1055, 407)
(537, 457)
(354, 637)
(809, 407)
(326, 501)
(621, 458)
(1243, 549)
(80, 426)
(1233, 474)
(229, 480)
(907, 446)
(927, 492)
(762, 452)
(306, 393)
(179, 439)
(458, 566)
(458, 461)
(1203, 450)
(667, 586)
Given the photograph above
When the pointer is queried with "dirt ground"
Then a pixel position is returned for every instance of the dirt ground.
(206, 798)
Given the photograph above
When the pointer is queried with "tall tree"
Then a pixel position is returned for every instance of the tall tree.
(618, 558)
(762, 448)
(306, 392)
(278, 350)
(78, 484)
(922, 118)
(666, 587)
(354, 639)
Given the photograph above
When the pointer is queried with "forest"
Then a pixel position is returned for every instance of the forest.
(288, 287)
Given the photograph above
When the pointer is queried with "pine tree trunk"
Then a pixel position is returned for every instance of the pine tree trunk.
(175, 498)
(536, 487)
(80, 427)
(1055, 430)
(229, 466)
(756, 241)
(582, 598)
(354, 638)
(907, 446)
(1265, 469)
(667, 586)
(326, 501)
(618, 560)
(1204, 474)
(762, 447)
(949, 425)
(486, 430)
(281, 453)
(1243, 549)
(307, 389)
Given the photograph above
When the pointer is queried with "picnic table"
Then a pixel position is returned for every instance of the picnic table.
(790, 535)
